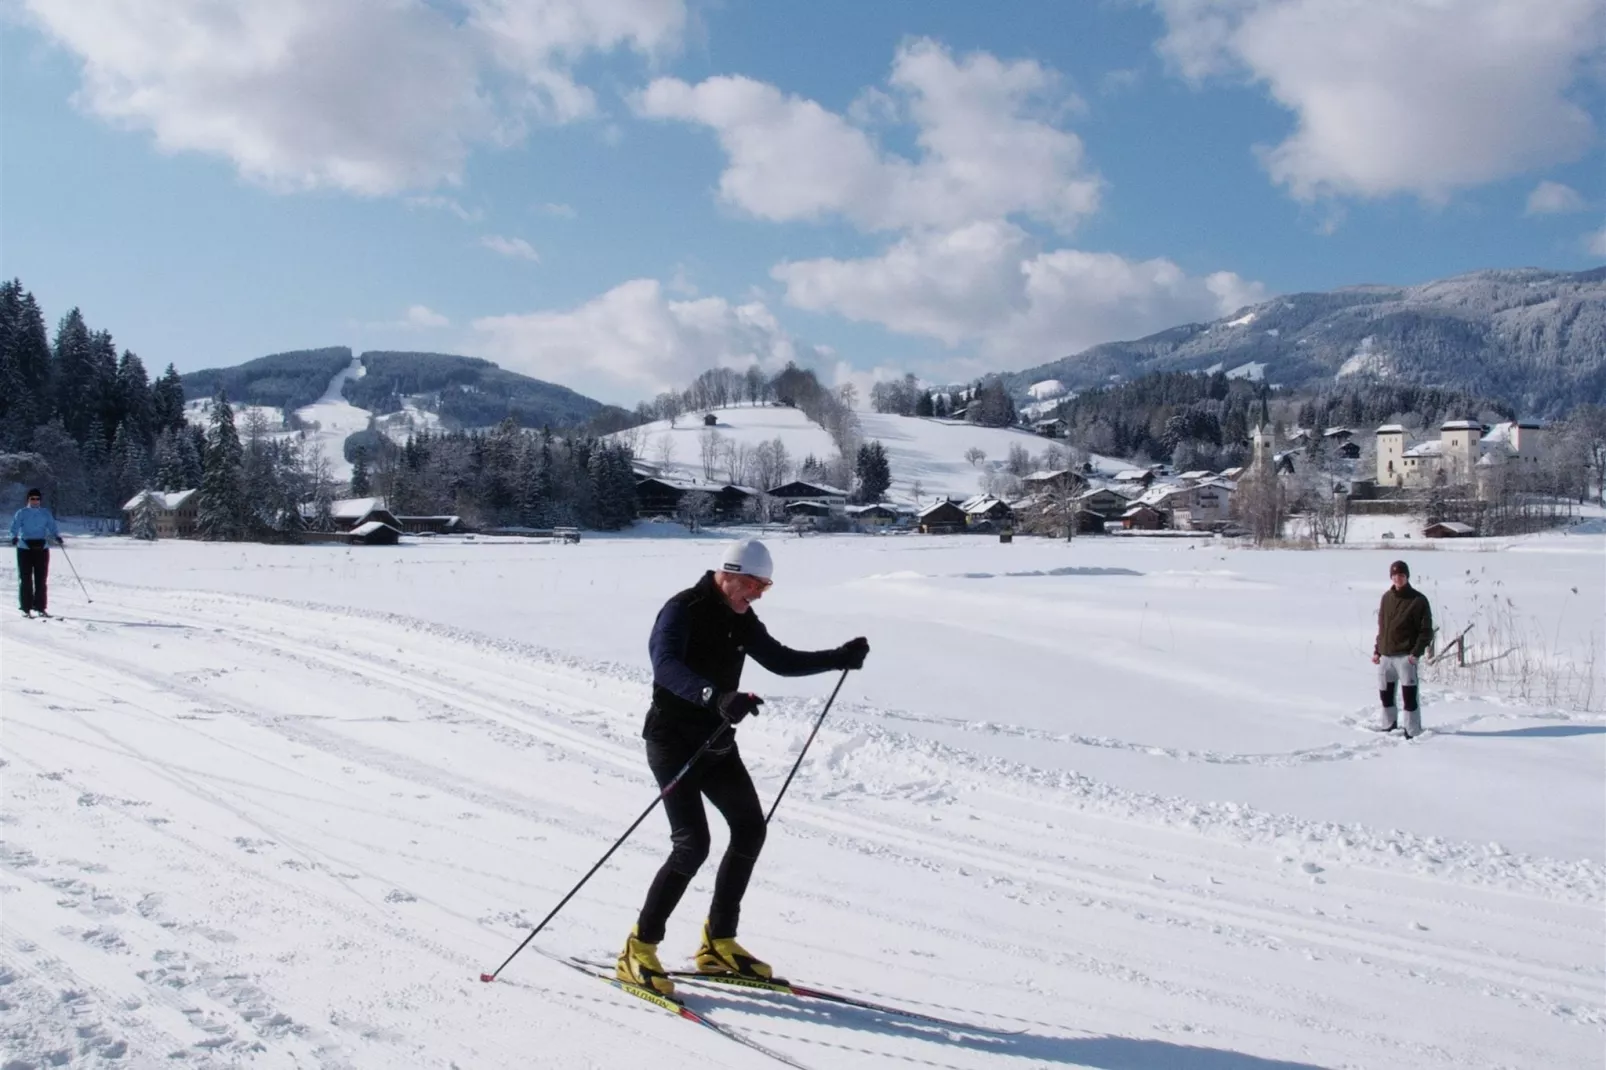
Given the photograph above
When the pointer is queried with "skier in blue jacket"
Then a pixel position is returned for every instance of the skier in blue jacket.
(31, 529)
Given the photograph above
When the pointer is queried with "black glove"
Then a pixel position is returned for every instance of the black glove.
(851, 654)
(61, 542)
(734, 705)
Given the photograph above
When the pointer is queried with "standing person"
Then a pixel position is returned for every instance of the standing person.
(31, 529)
(1404, 630)
(699, 643)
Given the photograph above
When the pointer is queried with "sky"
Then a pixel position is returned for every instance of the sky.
(618, 194)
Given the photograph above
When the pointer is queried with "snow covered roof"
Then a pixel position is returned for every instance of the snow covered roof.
(1043, 475)
(982, 503)
(1461, 425)
(934, 506)
(1431, 448)
(1332, 432)
(1232, 473)
(370, 527)
(1217, 481)
(1132, 475)
(168, 500)
(1198, 473)
(873, 507)
(1391, 429)
(355, 508)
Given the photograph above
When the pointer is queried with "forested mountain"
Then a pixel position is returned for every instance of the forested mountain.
(280, 380)
(1532, 339)
(466, 391)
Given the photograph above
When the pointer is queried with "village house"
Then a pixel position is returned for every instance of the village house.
(176, 513)
(1053, 481)
(351, 513)
(1143, 518)
(1052, 428)
(941, 518)
(801, 490)
(875, 516)
(985, 510)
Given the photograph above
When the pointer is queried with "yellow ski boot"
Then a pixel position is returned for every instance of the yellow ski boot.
(726, 956)
(639, 965)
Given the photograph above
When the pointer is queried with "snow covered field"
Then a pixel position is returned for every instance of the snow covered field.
(279, 807)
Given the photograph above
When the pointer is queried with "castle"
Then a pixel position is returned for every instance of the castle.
(1463, 455)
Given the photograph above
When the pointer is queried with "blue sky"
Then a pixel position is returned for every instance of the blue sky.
(616, 194)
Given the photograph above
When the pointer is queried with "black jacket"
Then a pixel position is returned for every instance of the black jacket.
(1404, 623)
(698, 647)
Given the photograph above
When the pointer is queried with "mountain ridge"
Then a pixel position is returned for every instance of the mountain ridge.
(1533, 337)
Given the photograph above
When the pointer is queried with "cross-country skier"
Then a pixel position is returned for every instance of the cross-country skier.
(699, 643)
(1404, 632)
(31, 529)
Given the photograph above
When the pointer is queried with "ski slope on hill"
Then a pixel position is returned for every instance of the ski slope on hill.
(921, 451)
(279, 807)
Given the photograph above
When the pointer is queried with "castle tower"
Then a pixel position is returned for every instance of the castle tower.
(1390, 455)
(1459, 450)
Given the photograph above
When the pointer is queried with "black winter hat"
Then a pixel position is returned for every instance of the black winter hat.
(1401, 567)
(33, 492)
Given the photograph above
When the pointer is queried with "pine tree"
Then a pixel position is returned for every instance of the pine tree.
(191, 442)
(873, 473)
(134, 401)
(142, 524)
(169, 467)
(167, 401)
(222, 498)
(72, 377)
(361, 485)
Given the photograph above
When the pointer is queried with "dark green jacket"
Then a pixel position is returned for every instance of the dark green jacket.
(1404, 623)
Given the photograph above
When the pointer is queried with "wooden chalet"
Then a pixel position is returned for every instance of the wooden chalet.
(1449, 529)
(800, 490)
(1143, 517)
(177, 513)
(660, 495)
(351, 513)
(1053, 481)
(941, 518)
(987, 511)
(874, 515)
(1052, 428)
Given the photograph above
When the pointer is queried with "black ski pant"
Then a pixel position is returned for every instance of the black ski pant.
(33, 568)
(724, 780)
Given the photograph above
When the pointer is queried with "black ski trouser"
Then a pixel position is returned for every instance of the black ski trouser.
(724, 779)
(33, 570)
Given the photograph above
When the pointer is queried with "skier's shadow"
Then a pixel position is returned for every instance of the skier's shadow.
(1105, 1052)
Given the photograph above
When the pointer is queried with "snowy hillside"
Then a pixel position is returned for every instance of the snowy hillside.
(920, 450)
(330, 420)
(278, 807)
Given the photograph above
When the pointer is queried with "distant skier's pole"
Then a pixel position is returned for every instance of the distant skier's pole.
(75, 575)
(817, 723)
(667, 788)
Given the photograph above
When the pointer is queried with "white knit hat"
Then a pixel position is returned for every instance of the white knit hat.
(747, 556)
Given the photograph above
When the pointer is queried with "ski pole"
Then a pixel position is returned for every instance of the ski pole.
(80, 579)
(667, 788)
(817, 723)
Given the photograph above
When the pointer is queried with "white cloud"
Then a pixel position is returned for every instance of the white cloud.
(1595, 241)
(1553, 198)
(988, 146)
(1401, 96)
(560, 211)
(368, 96)
(515, 248)
(423, 316)
(447, 204)
(633, 342)
(985, 285)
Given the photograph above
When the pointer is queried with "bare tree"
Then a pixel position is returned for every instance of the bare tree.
(1261, 505)
(975, 455)
(709, 440)
(694, 509)
(663, 449)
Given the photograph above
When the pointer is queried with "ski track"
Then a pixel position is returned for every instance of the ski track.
(352, 828)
